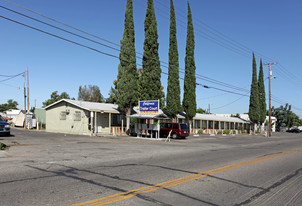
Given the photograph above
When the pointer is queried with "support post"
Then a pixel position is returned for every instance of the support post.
(109, 122)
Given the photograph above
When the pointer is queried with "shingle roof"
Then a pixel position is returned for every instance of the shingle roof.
(90, 106)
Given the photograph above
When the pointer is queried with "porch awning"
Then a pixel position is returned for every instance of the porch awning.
(148, 116)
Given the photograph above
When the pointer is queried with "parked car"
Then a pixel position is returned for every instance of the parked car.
(294, 130)
(179, 130)
(4, 127)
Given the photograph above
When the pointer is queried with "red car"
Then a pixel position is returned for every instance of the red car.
(179, 130)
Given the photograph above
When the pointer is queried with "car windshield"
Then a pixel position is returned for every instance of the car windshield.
(183, 126)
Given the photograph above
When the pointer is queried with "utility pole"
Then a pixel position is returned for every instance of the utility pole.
(24, 89)
(27, 89)
(24, 98)
(270, 98)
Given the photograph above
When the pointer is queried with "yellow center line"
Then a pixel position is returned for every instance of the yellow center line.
(131, 193)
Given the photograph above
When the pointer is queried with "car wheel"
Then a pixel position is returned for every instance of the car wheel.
(174, 136)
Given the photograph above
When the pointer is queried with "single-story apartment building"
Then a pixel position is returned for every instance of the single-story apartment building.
(264, 125)
(212, 123)
(82, 117)
(92, 118)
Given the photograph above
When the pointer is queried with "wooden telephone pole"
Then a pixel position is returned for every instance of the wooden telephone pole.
(27, 89)
(269, 99)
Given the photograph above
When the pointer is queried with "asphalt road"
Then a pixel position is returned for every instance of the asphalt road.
(56, 169)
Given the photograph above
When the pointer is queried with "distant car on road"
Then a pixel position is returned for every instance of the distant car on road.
(4, 127)
(178, 130)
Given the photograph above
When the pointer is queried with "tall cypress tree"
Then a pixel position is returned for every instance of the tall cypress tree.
(173, 91)
(149, 81)
(127, 85)
(254, 96)
(262, 100)
(189, 99)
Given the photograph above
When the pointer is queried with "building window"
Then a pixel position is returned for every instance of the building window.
(216, 125)
(222, 125)
(197, 124)
(232, 125)
(204, 124)
(116, 120)
(77, 116)
(211, 125)
(62, 115)
(182, 121)
(227, 126)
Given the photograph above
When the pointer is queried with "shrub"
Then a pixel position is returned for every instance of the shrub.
(200, 131)
(219, 132)
(3, 146)
(234, 131)
(226, 131)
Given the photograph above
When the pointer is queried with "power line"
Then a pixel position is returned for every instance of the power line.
(208, 79)
(197, 75)
(111, 55)
(230, 45)
(45, 32)
(52, 19)
(213, 31)
(11, 77)
(225, 40)
(207, 36)
(229, 103)
(42, 22)
(6, 75)
(205, 78)
(199, 84)
(10, 85)
(208, 28)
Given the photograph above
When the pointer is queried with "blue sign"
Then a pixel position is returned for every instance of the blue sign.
(149, 106)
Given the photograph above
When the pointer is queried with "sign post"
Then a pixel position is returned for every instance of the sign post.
(149, 107)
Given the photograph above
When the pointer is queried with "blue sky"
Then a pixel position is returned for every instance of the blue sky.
(272, 29)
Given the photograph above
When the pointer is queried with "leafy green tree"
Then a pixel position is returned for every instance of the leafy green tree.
(173, 91)
(235, 115)
(64, 95)
(254, 111)
(11, 104)
(112, 96)
(90, 93)
(295, 121)
(285, 117)
(162, 100)
(127, 79)
(149, 81)
(262, 99)
(200, 111)
(54, 97)
(189, 99)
